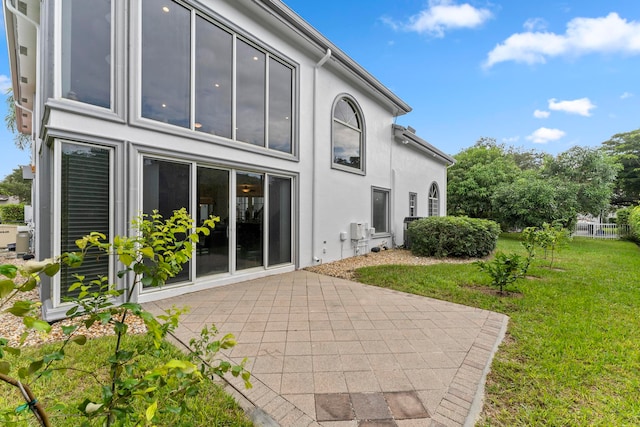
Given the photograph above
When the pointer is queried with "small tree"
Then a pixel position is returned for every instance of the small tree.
(156, 253)
(503, 269)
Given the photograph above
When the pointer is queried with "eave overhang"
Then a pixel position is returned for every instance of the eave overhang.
(406, 136)
(294, 21)
(21, 19)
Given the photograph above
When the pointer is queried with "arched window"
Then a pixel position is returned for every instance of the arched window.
(434, 200)
(347, 136)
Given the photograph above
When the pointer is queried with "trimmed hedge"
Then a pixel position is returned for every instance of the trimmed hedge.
(12, 213)
(453, 236)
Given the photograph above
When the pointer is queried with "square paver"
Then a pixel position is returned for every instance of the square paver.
(334, 407)
(370, 406)
(377, 423)
(405, 405)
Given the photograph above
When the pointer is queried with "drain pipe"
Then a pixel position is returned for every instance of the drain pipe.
(314, 172)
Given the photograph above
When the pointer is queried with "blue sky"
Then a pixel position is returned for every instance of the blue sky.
(543, 75)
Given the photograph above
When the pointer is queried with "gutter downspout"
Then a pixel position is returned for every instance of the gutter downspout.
(314, 172)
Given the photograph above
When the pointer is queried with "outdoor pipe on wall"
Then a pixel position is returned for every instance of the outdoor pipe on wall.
(314, 231)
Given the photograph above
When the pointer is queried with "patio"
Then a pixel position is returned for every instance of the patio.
(330, 352)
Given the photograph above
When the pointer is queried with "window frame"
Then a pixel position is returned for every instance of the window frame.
(358, 110)
(137, 119)
(413, 204)
(434, 202)
(115, 156)
(387, 193)
(118, 79)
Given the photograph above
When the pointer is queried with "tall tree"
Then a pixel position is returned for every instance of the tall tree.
(14, 185)
(21, 140)
(472, 180)
(625, 148)
(592, 170)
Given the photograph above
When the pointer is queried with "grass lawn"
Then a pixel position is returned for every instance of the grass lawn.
(571, 356)
(211, 407)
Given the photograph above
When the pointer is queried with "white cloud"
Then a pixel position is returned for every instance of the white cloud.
(544, 135)
(534, 24)
(511, 139)
(582, 106)
(626, 95)
(610, 34)
(5, 83)
(540, 114)
(441, 16)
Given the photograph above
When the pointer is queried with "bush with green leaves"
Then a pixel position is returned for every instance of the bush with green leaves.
(12, 214)
(156, 252)
(504, 269)
(453, 236)
(634, 224)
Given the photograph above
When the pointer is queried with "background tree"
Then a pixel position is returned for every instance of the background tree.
(591, 170)
(21, 140)
(625, 148)
(14, 185)
(472, 180)
(532, 200)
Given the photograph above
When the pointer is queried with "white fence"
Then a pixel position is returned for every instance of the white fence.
(601, 230)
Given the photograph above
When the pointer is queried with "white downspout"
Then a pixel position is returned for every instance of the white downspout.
(314, 222)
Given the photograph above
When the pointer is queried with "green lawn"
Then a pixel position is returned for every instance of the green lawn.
(212, 407)
(572, 353)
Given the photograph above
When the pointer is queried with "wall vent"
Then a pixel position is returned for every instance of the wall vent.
(23, 50)
(23, 100)
(24, 80)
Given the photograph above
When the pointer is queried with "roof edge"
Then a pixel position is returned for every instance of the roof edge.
(286, 14)
(406, 135)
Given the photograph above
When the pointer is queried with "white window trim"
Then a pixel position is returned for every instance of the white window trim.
(57, 205)
(431, 199)
(363, 163)
(388, 209)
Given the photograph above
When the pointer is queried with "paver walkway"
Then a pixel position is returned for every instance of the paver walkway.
(330, 352)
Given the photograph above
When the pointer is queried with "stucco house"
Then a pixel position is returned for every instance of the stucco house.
(237, 108)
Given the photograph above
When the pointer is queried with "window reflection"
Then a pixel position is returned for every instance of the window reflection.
(166, 188)
(166, 62)
(280, 106)
(250, 90)
(249, 220)
(279, 220)
(213, 79)
(86, 51)
(347, 135)
(212, 255)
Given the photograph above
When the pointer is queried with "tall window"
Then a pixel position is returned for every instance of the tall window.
(413, 204)
(279, 220)
(380, 210)
(86, 51)
(348, 145)
(280, 106)
(249, 220)
(214, 69)
(212, 254)
(250, 94)
(434, 200)
(166, 187)
(166, 62)
(85, 207)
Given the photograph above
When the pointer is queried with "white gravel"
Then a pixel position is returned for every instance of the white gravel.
(345, 268)
(11, 327)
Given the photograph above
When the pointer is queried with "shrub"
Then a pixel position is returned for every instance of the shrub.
(504, 269)
(12, 213)
(634, 224)
(452, 236)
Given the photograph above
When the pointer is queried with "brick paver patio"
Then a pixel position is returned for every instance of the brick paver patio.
(330, 352)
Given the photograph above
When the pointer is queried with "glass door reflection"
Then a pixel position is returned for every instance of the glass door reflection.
(249, 220)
